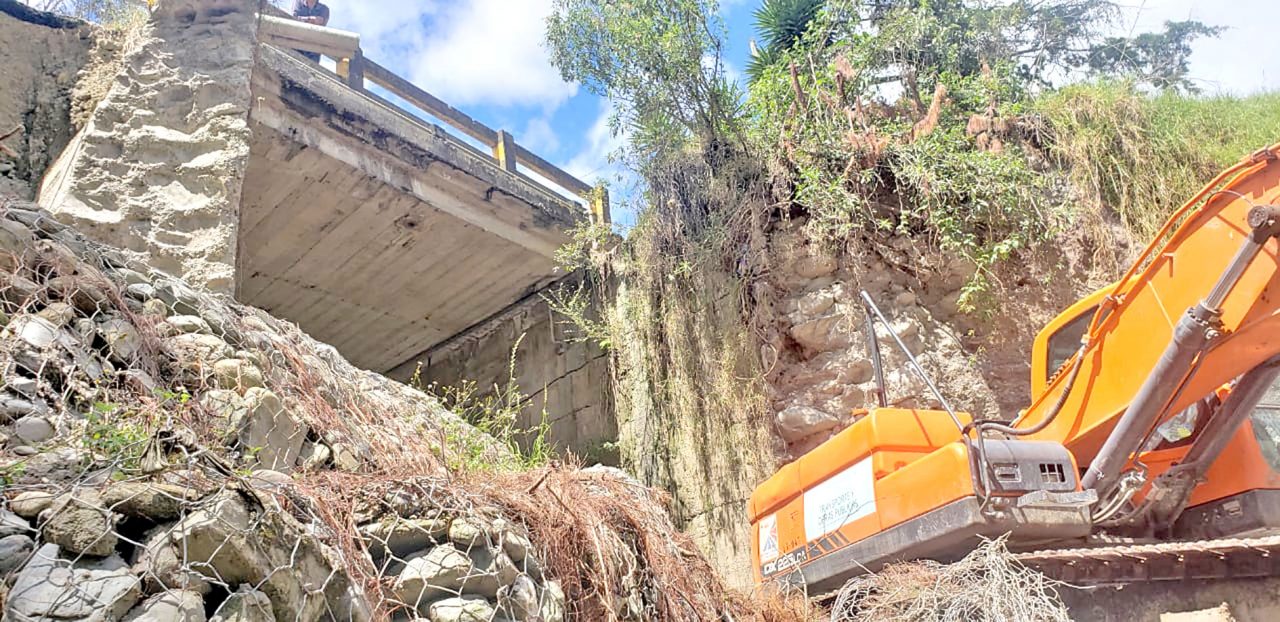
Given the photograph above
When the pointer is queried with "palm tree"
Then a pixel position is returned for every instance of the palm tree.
(780, 24)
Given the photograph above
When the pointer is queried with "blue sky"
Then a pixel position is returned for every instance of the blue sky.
(486, 57)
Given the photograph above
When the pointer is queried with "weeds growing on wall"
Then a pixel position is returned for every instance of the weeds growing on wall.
(495, 411)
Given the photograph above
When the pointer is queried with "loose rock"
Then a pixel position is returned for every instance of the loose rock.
(88, 589)
(14, 551)
(30, 504)
(12, 524)
(170, 606)
(799, 422)
(79, 523)
(33, 430)
(462, 609)
(152, 500)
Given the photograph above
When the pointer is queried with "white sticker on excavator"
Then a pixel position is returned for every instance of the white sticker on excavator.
(769, 538)
(840, 500)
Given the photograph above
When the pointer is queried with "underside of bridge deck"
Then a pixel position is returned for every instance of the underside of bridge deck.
(375, 232)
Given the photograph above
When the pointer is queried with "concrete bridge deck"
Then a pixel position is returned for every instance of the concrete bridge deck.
(375, 231)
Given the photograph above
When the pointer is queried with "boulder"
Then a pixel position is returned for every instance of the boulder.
(14, 551)
(217, 541)
(824, 334)
(178, 296)
(237, 375)
(799, 422)
(314, 456)
(517, 546)
(267, 432)
(130, 277)
(461, 609)
(31, 503)
(815, 304)
(552, 602)
(155, 307)
(32, 330)
(189, 324)
(12, 524)
(159, 561)
(428, 575)
(33, 430)
(86, 589)
(170, 606)
(59, 313)
(519, 600)
(83, 293)
(26, 387)
(151, 500)
(57, 466)
(195, 348)
(141, 291)
(244, 605)
(814, 266)
(123, 340)
(466, 533)
(492, 570)
(79, 523)
(402, 537)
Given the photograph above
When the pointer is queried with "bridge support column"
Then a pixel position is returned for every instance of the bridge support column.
(159, 167)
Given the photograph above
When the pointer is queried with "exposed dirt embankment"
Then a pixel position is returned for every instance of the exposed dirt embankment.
(820, 372)
(41, 56)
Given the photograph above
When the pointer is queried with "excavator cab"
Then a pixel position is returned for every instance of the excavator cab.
(1143, 423)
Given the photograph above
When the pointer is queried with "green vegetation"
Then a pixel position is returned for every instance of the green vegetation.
(973, 129)
(114, 434)
(496, 411)
(1140, 156)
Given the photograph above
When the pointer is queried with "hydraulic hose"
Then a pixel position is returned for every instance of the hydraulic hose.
(999, 426)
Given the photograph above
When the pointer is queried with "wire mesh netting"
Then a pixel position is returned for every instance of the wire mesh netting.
(170, 454)
(988, 585)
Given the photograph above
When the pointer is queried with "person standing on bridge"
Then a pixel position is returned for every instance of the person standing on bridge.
(311, 12)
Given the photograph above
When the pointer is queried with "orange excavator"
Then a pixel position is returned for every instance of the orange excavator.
(1144, 428)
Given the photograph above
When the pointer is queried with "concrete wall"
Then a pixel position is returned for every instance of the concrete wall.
(182, 97)
(40, 58)
(565, 378)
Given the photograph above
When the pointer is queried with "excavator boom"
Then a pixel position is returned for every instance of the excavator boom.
(1141, 423)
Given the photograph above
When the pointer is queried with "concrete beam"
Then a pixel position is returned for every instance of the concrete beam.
(320, 112)
(296, 35)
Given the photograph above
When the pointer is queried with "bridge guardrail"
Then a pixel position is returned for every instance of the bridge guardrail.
(279, 29)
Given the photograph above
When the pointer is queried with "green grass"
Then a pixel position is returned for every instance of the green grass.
(1142, 156)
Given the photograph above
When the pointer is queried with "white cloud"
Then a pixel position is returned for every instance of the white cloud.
(467, 52)
(538, 136)
(593, 161)
(491, 51)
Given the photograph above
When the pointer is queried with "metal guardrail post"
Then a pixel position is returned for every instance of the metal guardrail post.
(599, 203)
(504, 151)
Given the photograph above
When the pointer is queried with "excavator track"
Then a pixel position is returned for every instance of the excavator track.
(1234, 558)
